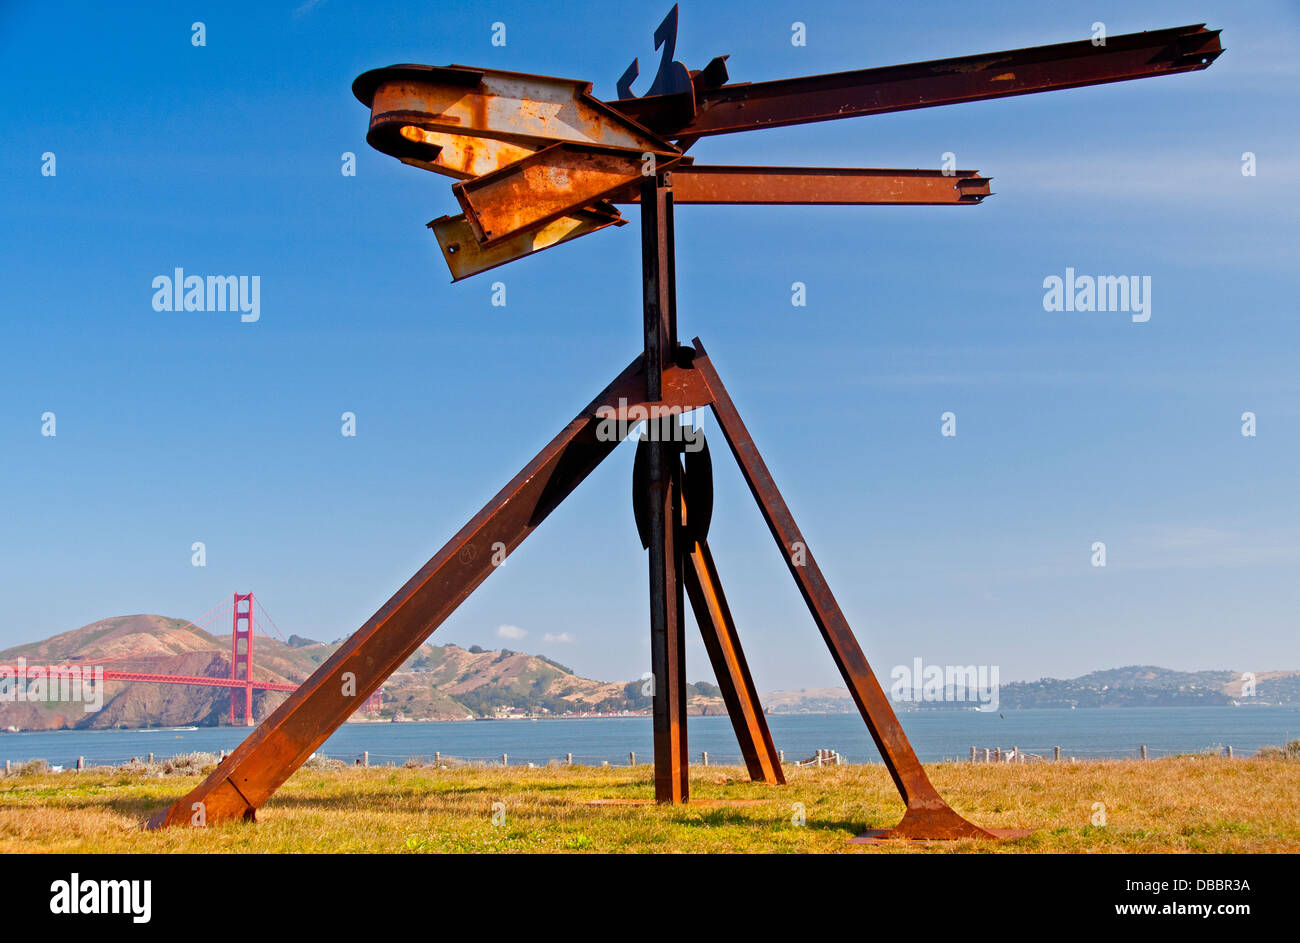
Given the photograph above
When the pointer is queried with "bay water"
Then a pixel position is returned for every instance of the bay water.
(936, 735)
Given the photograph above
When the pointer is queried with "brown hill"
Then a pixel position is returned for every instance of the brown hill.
(150, 644)
(437, 683)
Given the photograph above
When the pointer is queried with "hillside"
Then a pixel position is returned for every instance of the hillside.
(1132, 686)
(444, 682)
(447, 682)
(155, 645)
(1151, 686)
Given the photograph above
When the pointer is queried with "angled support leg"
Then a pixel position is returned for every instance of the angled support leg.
(713, 616)
(699, 576)
(270, 754)
(928, 816)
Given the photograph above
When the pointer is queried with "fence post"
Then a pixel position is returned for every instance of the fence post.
(1056, 754)
(1015, 751)
(780, 755)
(972, 754)
(6, 767)
(1144, 751)
(997, 754)
(631, 759)
(988, 757)
(437, 757)
(505, 761)
(706, 757)
(81, 762)
(568, 759)
(365, 758)
(150, 757)
(1229, 752)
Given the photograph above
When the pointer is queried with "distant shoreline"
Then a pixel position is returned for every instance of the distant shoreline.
(907, 712)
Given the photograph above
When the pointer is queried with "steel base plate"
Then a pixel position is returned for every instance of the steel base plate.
(886, 836)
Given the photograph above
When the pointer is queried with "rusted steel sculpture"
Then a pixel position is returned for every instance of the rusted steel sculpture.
(539, 161)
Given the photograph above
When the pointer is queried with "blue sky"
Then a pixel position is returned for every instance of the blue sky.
(1073, 427)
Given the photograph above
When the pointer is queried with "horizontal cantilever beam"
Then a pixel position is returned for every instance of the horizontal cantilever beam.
(697, 184)
(746, 106)
(826, 185)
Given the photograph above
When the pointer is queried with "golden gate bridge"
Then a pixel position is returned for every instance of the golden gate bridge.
(241, 682)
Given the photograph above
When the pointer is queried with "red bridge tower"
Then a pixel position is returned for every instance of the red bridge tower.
(242, 659)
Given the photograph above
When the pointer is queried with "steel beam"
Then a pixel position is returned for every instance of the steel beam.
(927, 815)
(657, 290)
(259, 765)
(663, 493)
(542, 187)
(510, 106)
(458, 155)
(703, 184)
(749, 105)
(722, 642)
(465, 257)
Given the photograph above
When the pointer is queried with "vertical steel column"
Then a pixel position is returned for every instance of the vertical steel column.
(667, 649)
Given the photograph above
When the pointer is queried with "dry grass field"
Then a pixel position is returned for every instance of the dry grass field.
(1182, 804)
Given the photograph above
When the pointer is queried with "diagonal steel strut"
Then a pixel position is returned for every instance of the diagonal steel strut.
(722, 642)
(284, 741)
(928, 815)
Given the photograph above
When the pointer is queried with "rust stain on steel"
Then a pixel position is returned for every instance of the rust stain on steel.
(542, 187)
(465, 257)
(461, 155)
(706, 184)
(492, 103)
(745, 106)
(270, 754)
(927, 814)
